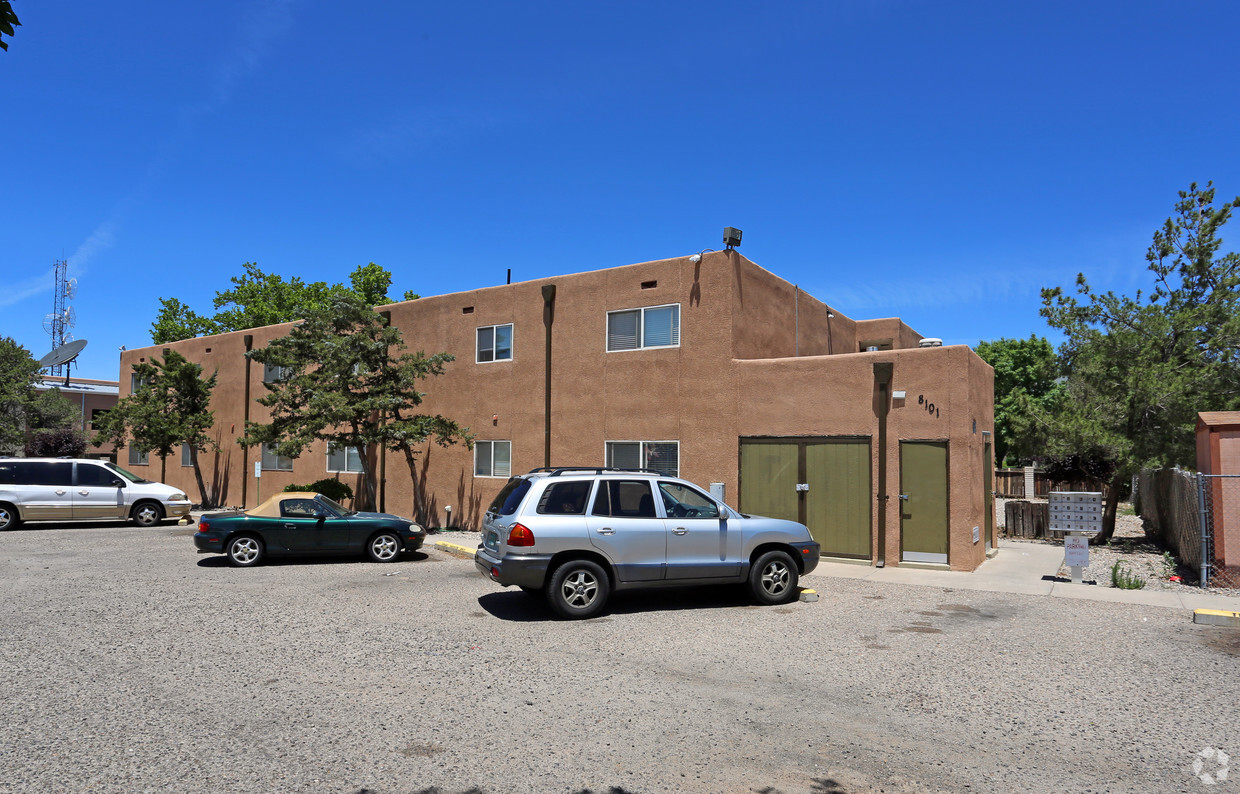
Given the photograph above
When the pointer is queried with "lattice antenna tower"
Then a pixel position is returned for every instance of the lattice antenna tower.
(59, 324)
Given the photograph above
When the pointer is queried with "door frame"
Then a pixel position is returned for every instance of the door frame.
(947, 500)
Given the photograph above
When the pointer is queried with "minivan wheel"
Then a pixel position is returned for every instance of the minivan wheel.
(244, 551)
(384, 547)
(148, 514)
(578, 589)
(773, 578)
(8, 517)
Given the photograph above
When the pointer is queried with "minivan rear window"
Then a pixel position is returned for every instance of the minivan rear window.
(45, 473)
(509, 499)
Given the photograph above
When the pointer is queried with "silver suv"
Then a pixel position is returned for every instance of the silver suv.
(576, 535)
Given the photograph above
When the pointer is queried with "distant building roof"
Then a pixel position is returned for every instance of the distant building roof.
(1212, 418)
(82, 386)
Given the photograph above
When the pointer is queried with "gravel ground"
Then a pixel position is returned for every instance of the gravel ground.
(131, 664)
(1138, 552)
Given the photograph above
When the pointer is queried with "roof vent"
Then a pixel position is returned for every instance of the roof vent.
(930, 341)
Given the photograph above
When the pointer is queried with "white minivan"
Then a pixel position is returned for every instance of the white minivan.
(65, 489)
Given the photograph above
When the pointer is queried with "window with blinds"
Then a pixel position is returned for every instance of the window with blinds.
(492, 458)
(638, 329)
(661, 456)
(347, 460)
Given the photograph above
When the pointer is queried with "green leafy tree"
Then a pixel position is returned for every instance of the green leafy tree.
(168, 408)
(8, 21)
(1140, 369)
(1025, 371)
(177, 321)
(24, 408)
(257, 299)
(345, 381)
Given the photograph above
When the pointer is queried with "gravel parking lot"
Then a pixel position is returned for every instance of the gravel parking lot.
(130, 663)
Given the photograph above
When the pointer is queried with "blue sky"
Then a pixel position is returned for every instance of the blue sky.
(937, 161)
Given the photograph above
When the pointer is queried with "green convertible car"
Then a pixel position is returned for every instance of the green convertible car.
(303, 523)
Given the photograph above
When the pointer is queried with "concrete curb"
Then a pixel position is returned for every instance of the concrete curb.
(1217, 617)
(455, 549)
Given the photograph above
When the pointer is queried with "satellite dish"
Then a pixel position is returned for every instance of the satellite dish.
(63, 354)
(70, 288)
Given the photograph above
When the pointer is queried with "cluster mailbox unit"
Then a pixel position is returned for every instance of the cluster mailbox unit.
(1079, 514)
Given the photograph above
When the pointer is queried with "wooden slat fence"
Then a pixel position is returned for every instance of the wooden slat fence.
(1010, 484)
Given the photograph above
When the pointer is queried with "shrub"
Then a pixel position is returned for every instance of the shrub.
(63, 443)
(335, 490)
(1125, 579)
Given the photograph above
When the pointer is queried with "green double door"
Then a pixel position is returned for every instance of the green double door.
(822, 483)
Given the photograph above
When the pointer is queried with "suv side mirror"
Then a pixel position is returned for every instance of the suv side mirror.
(118, 483)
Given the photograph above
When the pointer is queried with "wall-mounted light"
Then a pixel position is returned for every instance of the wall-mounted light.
(897, 395)
(698, 256)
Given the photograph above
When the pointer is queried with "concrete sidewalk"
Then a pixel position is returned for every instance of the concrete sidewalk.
(1019, 568)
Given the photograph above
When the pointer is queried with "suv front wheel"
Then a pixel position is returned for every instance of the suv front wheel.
(578, 589)
(773, 578)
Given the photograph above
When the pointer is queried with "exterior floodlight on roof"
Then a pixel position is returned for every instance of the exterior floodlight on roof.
(731, 237)
(698, 256)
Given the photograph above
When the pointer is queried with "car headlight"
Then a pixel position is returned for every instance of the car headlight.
(178, 497)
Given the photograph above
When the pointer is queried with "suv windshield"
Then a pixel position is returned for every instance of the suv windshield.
(509, 499)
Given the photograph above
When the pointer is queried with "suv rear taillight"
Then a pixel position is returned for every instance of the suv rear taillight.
(520, 535)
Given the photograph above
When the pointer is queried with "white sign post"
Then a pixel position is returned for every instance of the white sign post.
(1079, 514)
(258, 482)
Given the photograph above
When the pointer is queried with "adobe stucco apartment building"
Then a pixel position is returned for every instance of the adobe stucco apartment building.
(717, 371)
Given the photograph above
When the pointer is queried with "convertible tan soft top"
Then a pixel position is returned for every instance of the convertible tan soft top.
(271, 507)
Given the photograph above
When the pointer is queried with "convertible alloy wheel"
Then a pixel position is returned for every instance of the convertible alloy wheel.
(773, 578)
(244, 551)
(384, 547)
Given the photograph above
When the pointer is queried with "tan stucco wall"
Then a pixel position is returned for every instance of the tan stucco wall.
(733, 375)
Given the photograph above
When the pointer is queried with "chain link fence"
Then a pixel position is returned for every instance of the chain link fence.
(1219, 497)
(1198, 517)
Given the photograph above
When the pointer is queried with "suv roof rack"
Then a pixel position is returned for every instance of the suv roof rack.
(556, 471)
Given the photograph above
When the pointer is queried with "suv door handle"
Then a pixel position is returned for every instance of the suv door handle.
(606, 531)
(680, 531)
(84, 492)
(60, 492)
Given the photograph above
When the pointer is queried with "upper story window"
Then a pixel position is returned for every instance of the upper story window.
(494, 343)
(660, 456)
(343, 459)
(637, 329)
(273, 373)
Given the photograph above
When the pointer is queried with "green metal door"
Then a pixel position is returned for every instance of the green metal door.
(769, 479)
(838, 500)
(988, 498)
(923, 501)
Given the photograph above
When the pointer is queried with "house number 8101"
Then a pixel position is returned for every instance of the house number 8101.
(929, 406)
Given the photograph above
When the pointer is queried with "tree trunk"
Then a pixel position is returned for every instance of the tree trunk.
(163, 468)
(1109, 509)
(207, 503)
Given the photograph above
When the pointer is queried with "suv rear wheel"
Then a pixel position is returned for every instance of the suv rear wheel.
(773, 578)
(578, 589)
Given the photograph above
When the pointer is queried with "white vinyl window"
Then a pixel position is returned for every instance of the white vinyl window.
(344, 459)
(273, 373)
(637, 329)
(492, 458)
(274, 462)
(661, 456)
(137, 458)
(494, 343)
(186, 460)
